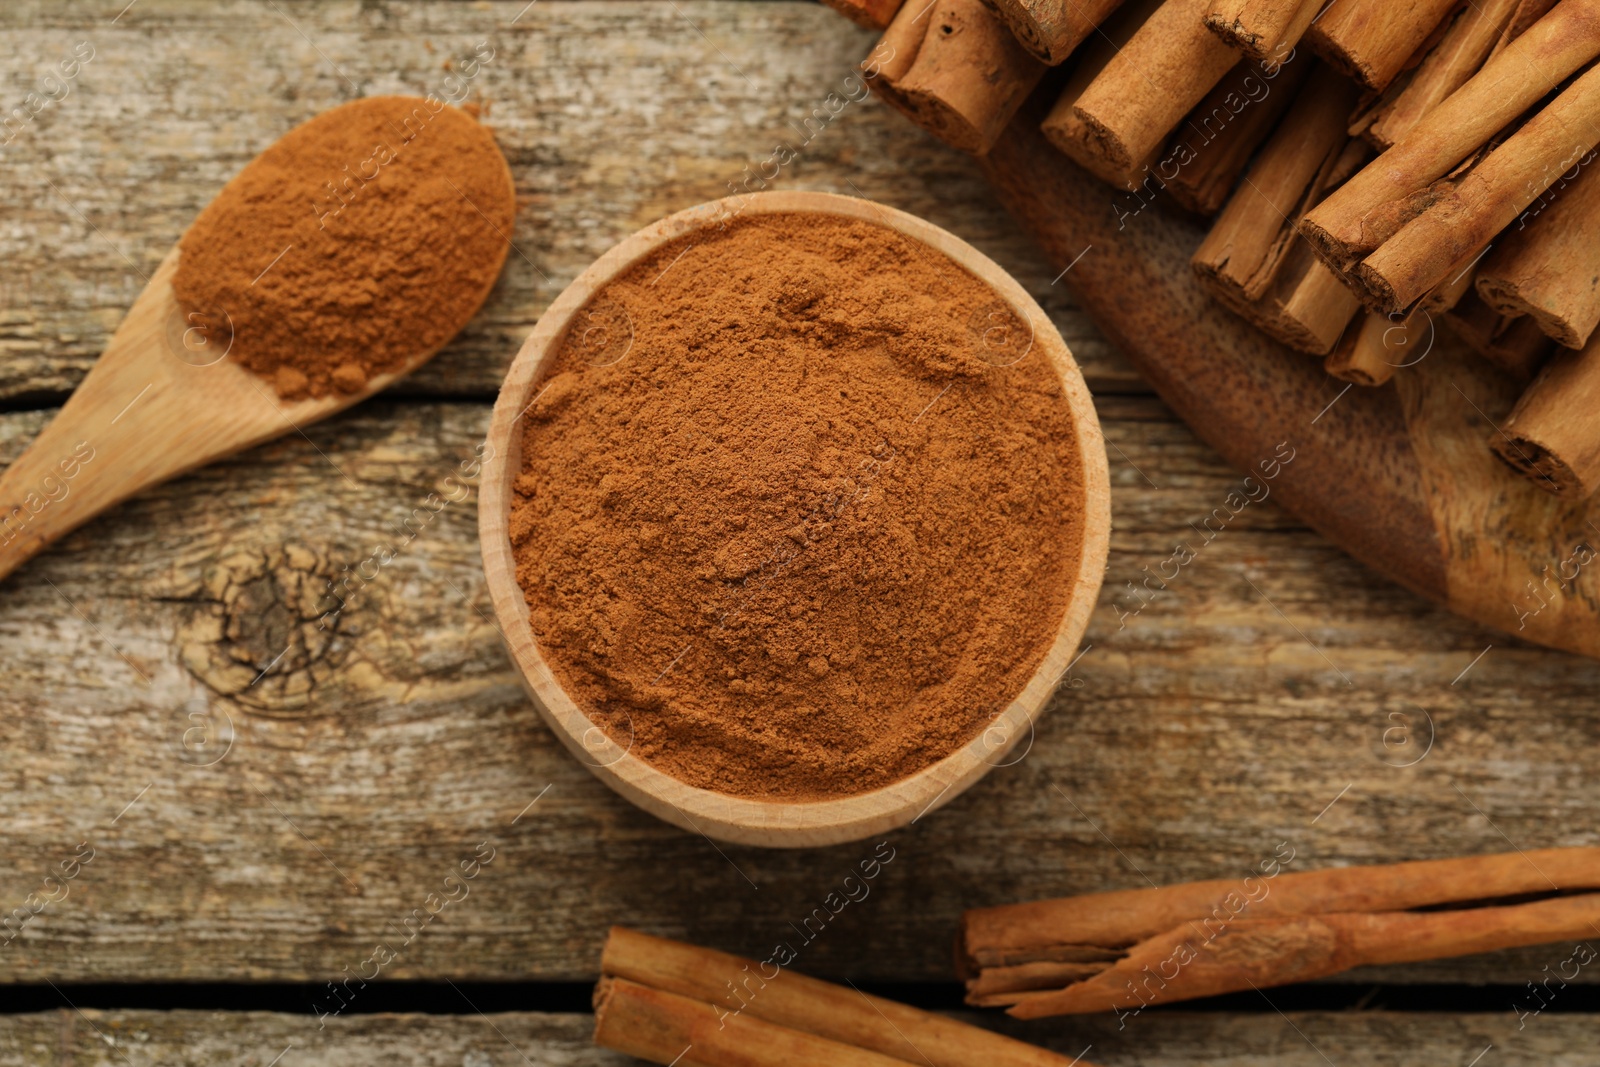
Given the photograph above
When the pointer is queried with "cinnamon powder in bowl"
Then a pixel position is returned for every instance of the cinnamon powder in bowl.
(797, 505)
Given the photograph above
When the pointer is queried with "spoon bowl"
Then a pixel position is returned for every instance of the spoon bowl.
(166, 397)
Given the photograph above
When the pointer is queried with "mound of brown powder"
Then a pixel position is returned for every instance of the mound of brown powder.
(358, 241)
(802, 538)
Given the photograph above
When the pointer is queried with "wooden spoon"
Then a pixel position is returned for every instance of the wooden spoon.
(163, 399)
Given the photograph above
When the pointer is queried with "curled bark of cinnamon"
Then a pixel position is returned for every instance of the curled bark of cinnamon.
(1253, 260)
(1052, 29)
(1464, 214)
(1548, 266)
(1371, 40)
(1373, 205)
(730, 990)
(1262, 29)
(1212, 146)
(1271, 926)
(1379, 345)
(1144, 91)
(1064, 128)
(1553, 435)
(1474, 31)
(1252, 953)
(665, 1028)
(955, 70)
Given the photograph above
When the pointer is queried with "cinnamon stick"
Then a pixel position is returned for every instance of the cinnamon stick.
(1528, 12)
(954, 69)
(1214, 143)
(1143, 92)
(1253, 259)
(1020, 933)
(1262, 29)
(666, 1028)
(873, 14)
(1371, 40)
(1553, 435)
(1052, 29)
(1464, 214)
(1064, 128)
(1307, 307)
(1515, 345)
(1188, 961)
(996, 987)
(741, 989)
(1548, 267)
(1373, 205)
(1370, 353)
(1474, 31)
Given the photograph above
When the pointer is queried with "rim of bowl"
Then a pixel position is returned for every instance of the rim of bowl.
(747, 820)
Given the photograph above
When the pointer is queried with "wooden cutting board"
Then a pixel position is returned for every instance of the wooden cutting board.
(1400, 476)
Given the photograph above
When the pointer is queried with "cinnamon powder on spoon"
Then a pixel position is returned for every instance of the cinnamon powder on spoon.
(786, 526)
(356, 242)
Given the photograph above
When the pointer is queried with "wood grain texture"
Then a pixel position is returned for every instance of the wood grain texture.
(757, 821)
(1273, 676)
(514, 1039)
(365, 767)
(611, 114)
(68, 1038)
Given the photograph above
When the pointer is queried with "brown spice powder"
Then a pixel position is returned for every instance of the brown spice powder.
(355, 243)
(803, 538)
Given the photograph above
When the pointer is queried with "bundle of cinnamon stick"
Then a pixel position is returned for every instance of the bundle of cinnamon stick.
(1376, 169)
(673, 1003)
(1126, 950)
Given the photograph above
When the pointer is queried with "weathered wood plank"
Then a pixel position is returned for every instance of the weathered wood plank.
(1205, 731)
(611, 115)
(1208, 728)
(69, 1038)
(1299, 1039)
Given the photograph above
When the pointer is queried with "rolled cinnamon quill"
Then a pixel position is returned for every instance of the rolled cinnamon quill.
(1064, 128)
(1189, 961)
(1262, 29)
(732, 990)
(1463, 214)
(1145, 90)
(1379, 345)
(1000, 946)
(1371, 40)
(1016, 933)
(1548, 267)
(1372, 206)
(1212, 145)
(954, 69)
(1253, 260)
(1052, 29)
(1553, 435)
(666, 1028)
(1307, 307)
(1474, 31)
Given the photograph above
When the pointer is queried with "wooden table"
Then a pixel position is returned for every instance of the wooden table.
(262, 805)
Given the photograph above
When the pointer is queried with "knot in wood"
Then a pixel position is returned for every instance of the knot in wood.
(267, 630)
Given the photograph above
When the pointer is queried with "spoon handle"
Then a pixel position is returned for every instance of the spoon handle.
(97, 450)
(157, 403)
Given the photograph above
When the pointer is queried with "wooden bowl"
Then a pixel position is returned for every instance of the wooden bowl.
(744, 820)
